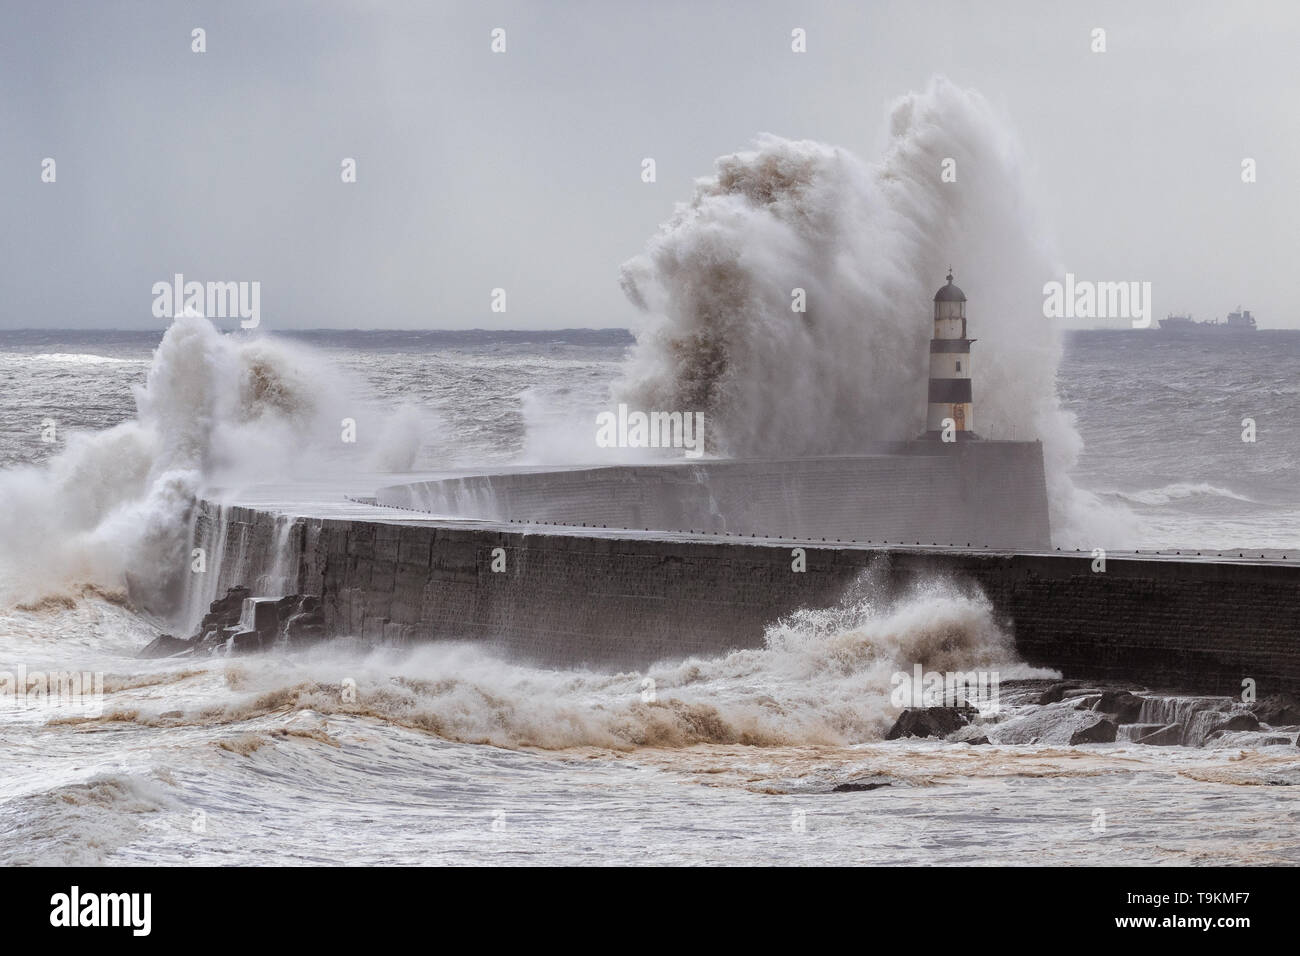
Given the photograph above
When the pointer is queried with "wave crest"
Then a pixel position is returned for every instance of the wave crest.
(823, 677)
(867, 245)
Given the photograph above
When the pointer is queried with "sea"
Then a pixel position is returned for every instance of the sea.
(450, 754)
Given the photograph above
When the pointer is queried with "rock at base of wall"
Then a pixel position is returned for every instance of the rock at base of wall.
(306, 626)
(225, 611)
(973, 734)
(1101, 732)
(1054, 694)
(1123, 705)
(244, 642)
(926, 722)
(1277, 710)
(1053, 724)
(1243, 720)
(295, 618)
(164, 645)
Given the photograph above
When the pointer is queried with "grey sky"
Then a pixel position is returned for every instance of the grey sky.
(522, 170)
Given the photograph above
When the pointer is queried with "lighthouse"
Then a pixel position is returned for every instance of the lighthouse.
(950, 391)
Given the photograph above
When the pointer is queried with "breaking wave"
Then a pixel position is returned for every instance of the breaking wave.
(868, 245)
(80, 824)
(823, 677)
(1180, 491)
(78, 358)
(110, 509)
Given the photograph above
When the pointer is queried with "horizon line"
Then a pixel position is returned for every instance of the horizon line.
(322, 328)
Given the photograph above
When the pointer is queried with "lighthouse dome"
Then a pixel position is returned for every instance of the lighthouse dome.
(950, 293)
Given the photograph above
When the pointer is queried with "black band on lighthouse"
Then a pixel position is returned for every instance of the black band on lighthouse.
(949, 390)
(950, 345)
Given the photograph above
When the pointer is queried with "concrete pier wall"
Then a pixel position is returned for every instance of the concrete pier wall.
(623, 601)
(983, 493)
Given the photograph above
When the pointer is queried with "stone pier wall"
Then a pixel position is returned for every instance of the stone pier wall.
(986, 494)
(623, 601)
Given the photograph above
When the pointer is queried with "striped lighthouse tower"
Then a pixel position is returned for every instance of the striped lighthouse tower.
(950, 392)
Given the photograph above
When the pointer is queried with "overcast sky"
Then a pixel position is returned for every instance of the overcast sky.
(522, 170)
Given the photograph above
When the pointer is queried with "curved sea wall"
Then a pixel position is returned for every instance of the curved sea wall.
(624, 600)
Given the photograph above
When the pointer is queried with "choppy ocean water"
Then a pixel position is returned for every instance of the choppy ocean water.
(462, 757)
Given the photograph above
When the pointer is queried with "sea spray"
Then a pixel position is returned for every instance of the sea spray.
(864, 246)
(823, 677)
(112, 508)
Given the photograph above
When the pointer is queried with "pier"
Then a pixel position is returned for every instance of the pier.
(561, 594)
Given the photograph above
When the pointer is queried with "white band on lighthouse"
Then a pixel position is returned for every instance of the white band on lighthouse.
(950, 381)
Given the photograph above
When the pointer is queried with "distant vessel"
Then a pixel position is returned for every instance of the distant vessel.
(1239, 321)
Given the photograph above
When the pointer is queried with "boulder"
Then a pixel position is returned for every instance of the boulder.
(254, 623)
(926, 722)
(1242, 720)
(1054, 693)
(1022, 692)
(164, 645)
(1121, 704)
(299, 634)
(244, 642)
(225, 611)
(1052, 724)
(265, 615)
(972, 734)
(1277, 710)
(1102, 731)
(854, 787)
(1075, 691)
(307, 625)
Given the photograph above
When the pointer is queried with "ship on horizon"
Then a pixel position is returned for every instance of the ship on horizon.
(1239, 321)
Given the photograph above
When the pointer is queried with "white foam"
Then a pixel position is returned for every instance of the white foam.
(110, 508)
(823, 677)
(1179, 491)
(869, 245)
(70, 358)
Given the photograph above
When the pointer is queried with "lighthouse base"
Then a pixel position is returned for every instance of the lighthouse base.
(957, 437)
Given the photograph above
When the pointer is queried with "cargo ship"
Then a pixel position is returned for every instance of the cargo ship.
(1239, 321)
